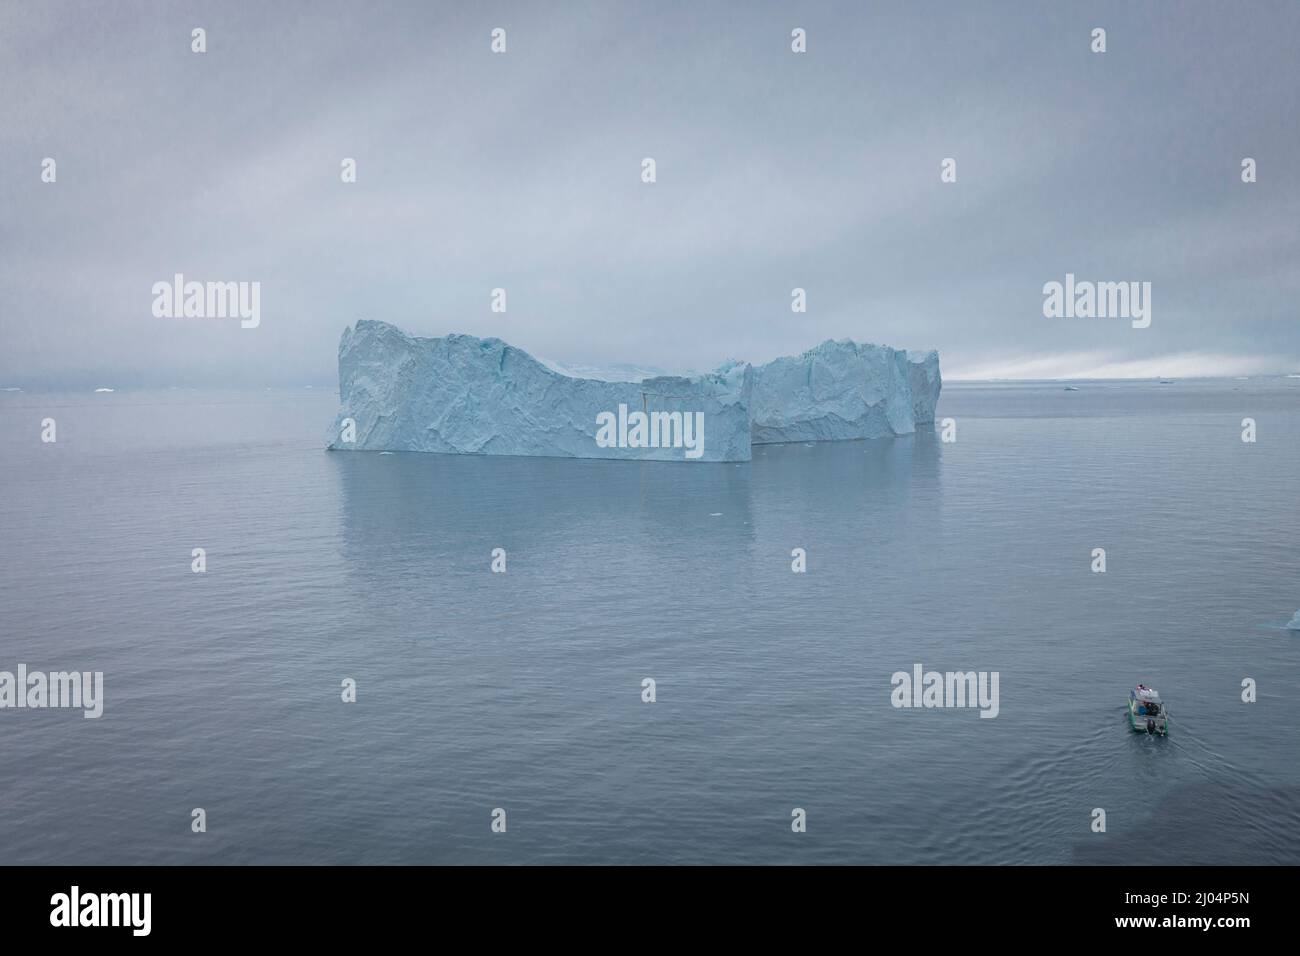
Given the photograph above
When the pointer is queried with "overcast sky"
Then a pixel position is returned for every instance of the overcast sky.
(522, 170)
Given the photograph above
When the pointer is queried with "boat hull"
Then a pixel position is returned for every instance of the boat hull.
(1138, 722)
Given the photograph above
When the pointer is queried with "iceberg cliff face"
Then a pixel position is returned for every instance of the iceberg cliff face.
(923, 376)
(843, 390)
(462, 394)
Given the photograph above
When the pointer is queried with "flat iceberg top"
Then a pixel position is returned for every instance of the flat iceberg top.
(616, 372)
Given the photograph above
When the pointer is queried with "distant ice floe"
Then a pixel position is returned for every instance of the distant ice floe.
(98, 390)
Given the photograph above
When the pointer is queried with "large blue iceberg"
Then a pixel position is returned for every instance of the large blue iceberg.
(466, 395)
(463, 394)
(844, 390)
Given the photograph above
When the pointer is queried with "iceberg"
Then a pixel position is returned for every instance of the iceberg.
(1294, 623)
(464, 395)
(461, 394)
(926, 383)
(844, 390)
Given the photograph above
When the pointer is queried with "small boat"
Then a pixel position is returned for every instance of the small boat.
(1146, 712)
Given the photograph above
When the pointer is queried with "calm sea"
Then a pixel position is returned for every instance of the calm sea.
(523, 690)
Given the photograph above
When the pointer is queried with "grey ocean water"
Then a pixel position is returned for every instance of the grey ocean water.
(522, 690)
